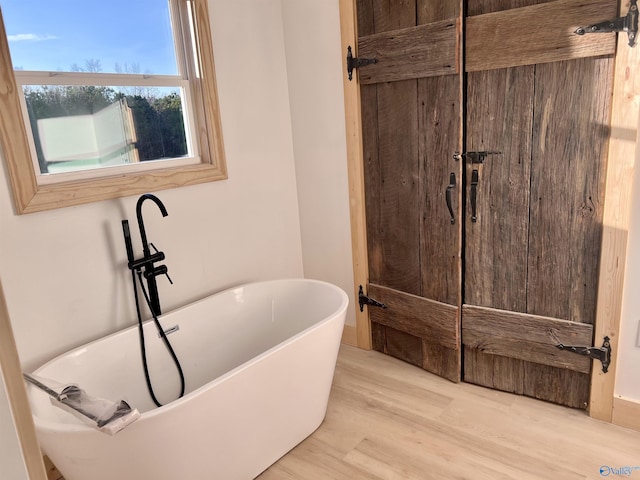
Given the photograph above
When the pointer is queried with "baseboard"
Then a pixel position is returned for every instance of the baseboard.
(626, 413)
(349, 336)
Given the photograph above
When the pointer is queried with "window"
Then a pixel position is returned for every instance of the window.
(115, 100)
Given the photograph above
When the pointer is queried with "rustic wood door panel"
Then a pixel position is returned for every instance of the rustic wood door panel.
(570, 139)
(435, 321)
(439, 122)
(393, 199)
(551, 384)
(534, 250)
(424, 51)
(411, 115)
(536, 34)
(526, 337)
(420, 331)
(499, 118)
(501, 291)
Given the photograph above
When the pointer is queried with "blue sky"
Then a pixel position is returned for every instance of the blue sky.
(52, 35)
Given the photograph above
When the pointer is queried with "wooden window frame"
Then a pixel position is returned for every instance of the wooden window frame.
(30, 196)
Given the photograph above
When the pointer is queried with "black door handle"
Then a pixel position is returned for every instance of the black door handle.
(448, 195)
(474, 196)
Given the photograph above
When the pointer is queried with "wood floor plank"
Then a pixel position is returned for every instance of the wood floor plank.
(377, 427)
(52, 471)
(388, 420)
(427, 443)
(423, 457)
(317, 459)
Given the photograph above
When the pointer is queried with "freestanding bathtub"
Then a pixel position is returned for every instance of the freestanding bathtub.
(258, 362)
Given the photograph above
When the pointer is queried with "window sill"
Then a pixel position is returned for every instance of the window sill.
(31, 198)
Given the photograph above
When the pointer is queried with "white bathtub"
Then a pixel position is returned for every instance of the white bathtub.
(258, 362)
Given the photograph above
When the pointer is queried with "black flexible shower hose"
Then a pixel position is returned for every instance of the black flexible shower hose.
(162, 334)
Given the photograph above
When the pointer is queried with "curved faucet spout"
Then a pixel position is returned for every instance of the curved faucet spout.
(143, 233)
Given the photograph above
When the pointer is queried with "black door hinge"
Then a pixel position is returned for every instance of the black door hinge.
(602, 353)
(364, 300)
(354, 62)
(628, 23)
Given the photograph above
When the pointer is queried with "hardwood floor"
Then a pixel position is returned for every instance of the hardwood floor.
(390, 420)
(52, 471)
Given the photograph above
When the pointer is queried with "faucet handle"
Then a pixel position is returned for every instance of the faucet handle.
(162, 270)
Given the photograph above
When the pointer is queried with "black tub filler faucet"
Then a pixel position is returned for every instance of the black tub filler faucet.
(146, 264)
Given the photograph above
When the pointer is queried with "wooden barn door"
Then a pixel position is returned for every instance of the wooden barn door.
(411, 104)
(496, 285)
(532, 252)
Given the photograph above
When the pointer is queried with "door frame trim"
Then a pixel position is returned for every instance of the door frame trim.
(616, 215)
(355, 169)
(616, 219)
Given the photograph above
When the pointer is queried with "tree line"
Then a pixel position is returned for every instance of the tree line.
(158, 120)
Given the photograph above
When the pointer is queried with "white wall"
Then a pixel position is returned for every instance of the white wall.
(314, 67)
(628, 370)
(64, 270)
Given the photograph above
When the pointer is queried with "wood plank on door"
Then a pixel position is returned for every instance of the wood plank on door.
(439, 136)
(526, 337)
(417, 316)
(420, 331)
(417, 52)
(537, 34)
(499, 118)
(570, 139)
(391, 181)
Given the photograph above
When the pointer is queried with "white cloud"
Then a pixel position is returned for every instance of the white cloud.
(30, 37)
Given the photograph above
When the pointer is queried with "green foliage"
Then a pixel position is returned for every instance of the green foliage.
(169, 110)
(48, 101)
(159, 126)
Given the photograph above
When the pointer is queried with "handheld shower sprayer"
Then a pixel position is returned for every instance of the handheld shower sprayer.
(145, 267)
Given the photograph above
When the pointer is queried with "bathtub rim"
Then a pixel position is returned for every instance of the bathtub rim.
(81, 428)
